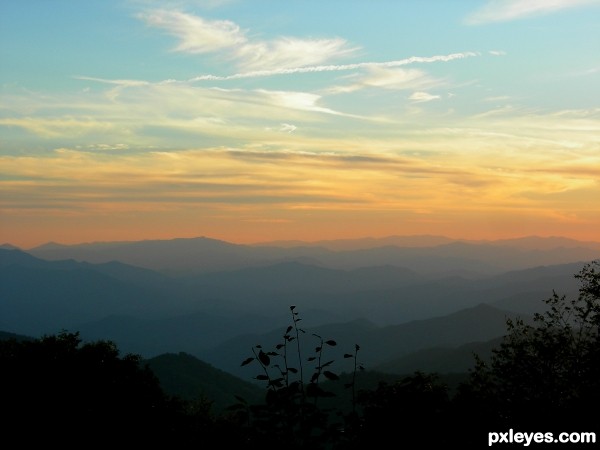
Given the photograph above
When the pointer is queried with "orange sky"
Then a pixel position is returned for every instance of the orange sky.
(193, 120)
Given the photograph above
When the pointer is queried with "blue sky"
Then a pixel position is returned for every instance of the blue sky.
(247, 120)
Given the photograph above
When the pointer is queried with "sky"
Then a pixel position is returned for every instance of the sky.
(254, 121)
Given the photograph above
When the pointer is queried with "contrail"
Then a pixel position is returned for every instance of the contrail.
(335, 68)
(288, 71)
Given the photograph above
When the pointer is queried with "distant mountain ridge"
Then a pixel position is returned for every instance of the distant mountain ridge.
(526, 242)
(441, 359)
(362, 295)
(378, 344)
(423, 254)
(44, 296)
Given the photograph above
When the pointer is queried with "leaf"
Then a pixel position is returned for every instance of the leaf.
(247, 361)
(328, 363)
(330, 375)
(293, 370)
(264, 359)
(318, 349)
(272, 354)
(276, 382)
(356, 347)
(348, 355)
(279, 346)
(261, 377)
(314, 377)
(258, 346)
(288, 329)
(292, 307)
(331, 342)
(312, 358)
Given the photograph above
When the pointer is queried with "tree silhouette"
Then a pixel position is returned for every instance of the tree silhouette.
(58, 390)
(545, 375)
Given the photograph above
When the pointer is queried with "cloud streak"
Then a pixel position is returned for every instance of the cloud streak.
(338, 67)
(197, 35)
(420, 97)
(506, 10)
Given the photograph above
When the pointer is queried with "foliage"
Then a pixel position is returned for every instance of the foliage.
(57, 390)
(410, 407)
(291, 414)
(545, 374)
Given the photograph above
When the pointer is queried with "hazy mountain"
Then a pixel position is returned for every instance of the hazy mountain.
(385, 294)
(39, 296)
(378, 344)
(527, 243)
(5, 335)
(441, 359)
(192, 333)
(196, 255)
(170, 256)
(188, 377)
(365, 243)
(459, 258)
(8, 247)
(545, 243)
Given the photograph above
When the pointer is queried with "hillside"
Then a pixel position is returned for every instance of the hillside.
(378, 344)
(188, 377)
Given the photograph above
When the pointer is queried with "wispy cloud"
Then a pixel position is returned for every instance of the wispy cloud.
(195, 34)
(59, 126)
(505, 10)
(420, 97)
(288, 128)
(385, 74)
(338, 67)
(498, 98)
(198, 35)
(125, 83)
(240, 177)
(303, 101)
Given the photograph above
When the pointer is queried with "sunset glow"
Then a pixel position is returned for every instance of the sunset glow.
(259, 121)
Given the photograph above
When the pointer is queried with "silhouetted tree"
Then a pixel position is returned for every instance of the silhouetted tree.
(545, 375)
(414, 410)
(58, 390)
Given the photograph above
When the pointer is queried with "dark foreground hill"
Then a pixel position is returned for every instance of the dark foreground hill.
(188, 377)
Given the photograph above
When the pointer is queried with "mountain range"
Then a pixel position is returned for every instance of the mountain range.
(424, 255)
(405, 300)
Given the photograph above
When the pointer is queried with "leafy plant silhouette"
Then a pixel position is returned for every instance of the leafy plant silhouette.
(291, 414)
